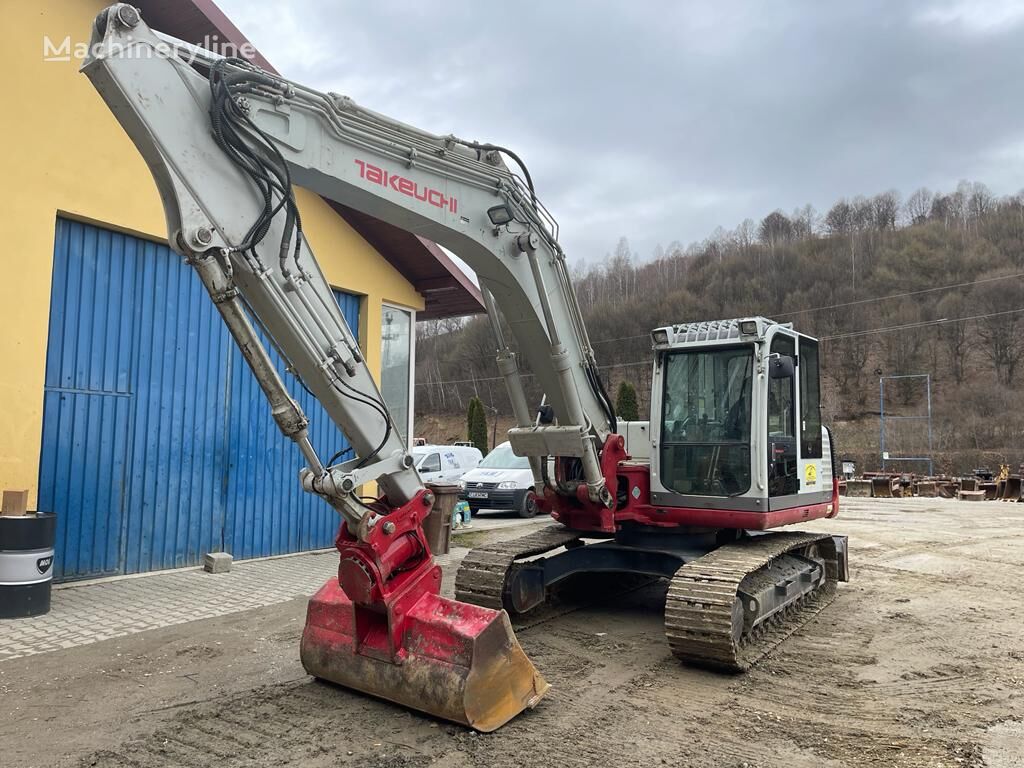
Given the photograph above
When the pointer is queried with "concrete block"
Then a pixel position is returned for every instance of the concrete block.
(217, 562)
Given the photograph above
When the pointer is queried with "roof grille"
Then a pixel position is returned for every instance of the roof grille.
(707, 330)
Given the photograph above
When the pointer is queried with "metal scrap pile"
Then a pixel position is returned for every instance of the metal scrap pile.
(980, 487)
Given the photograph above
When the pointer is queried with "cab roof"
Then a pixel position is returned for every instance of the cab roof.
(717, 330)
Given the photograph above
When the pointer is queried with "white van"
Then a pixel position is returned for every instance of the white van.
(502, 481)
(445, 463)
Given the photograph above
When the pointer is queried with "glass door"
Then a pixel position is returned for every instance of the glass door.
(783, 476)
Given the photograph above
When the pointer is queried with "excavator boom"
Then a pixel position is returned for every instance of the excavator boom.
(456, 193)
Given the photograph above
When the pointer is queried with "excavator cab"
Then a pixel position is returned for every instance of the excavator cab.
(734, 446)
(737, 422)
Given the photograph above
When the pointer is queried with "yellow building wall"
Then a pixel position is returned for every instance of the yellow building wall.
(61, 151)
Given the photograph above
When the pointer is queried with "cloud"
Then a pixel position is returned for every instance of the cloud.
(661, 120)
(973, 16)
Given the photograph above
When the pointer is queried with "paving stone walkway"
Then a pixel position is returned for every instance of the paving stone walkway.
(89, 612)
(100, 610)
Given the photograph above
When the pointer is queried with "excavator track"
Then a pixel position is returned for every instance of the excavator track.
(702, 599)
(484, 572)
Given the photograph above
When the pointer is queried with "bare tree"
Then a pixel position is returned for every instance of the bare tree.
(805, 222)
(839, 219)
(775, 229)
(979, 200)
(746, 234)
(958, 203)
(885, 208)
(848, 368)
(1001, 329)
(863, 213)
(954, 335)
(903, 349)
(919, 205)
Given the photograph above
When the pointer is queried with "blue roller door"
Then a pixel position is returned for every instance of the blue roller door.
(267, 512)
(157, 444)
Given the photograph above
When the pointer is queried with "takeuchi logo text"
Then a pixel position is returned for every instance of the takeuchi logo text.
(408, 187)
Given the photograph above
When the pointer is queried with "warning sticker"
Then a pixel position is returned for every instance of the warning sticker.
(810, 474)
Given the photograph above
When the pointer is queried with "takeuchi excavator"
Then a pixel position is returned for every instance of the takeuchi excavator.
(734, 445)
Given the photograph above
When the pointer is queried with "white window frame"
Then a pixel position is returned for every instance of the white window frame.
(412, 361)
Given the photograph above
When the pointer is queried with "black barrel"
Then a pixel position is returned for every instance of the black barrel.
(437, 526)
(26, 564)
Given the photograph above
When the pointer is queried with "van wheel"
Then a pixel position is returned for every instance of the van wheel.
(528, 507)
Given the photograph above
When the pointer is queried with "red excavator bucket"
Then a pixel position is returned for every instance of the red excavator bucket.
(456, 661)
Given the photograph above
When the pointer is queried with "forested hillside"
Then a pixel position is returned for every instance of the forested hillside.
(930, 285)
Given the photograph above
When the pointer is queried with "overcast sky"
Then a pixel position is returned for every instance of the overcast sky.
(661, 121)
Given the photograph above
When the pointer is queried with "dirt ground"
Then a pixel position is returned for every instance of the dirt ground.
(918, 662)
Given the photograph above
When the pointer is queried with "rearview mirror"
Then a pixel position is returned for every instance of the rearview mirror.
(781, 367)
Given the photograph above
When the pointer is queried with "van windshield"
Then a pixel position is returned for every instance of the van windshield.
(503, 458)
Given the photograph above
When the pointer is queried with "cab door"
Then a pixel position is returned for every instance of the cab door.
(816, 473)
(783, 474)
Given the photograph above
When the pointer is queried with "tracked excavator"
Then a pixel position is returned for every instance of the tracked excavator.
(734, 446)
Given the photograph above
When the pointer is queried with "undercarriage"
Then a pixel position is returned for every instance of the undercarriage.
(732, 595)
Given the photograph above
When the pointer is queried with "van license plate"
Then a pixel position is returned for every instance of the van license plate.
(477, 495)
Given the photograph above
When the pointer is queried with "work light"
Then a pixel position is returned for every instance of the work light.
(499, 214)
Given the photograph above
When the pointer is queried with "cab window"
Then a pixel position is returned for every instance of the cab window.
(810, 400)
(780, 393)
(782, 468)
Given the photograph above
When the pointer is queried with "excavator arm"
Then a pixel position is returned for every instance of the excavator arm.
(225, 142)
